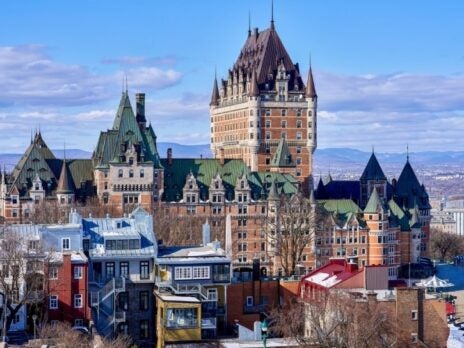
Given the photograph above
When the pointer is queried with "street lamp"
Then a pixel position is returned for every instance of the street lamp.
(264, 333)
(34, 319)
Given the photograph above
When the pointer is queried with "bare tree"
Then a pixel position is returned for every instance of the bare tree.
(445, 246)
(335, 319)
(62, 335)
(290, 229)
(22, 273)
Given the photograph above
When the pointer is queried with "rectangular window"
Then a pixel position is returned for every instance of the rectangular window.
(78, 272)
(283, 124)
(124, 269)
(283, 112)
(249, 301)
(200, 272)
(53, 272)
(177, 318)
(144, 270)
(268, 112)
(299, 136)
(143, 329)
(181, 273)
(77, 301)
(143, 300)
(414, 315)
(78, 322)
(53, 302)
(65, 244)
(109, 270)
(298, 149)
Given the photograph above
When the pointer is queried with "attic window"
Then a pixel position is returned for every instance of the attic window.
(129, 132)
(36, 160)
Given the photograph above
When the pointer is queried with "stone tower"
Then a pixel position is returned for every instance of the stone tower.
(262, 101)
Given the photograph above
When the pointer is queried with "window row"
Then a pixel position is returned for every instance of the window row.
(197, 272)
(131, 173)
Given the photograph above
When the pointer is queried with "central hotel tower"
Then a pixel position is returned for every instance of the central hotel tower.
(263, 112)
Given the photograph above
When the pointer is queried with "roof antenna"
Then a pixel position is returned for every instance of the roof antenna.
(64, 151)
(407, 152)
(249, 23)
(372, 149)
(272, 14)
(126, 84)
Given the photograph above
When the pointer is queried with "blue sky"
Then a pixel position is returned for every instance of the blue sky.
(387, 73)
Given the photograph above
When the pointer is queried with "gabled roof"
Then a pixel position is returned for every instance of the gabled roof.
(282, 156)
(331, 274)
(373, 171)
(374, 204)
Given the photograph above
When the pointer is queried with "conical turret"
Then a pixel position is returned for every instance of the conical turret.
(215, 94)
(310, 89)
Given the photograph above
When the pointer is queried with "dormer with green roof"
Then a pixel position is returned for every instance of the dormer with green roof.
(282, 161)
(372, 178)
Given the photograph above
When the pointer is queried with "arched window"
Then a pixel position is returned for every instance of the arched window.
(131, 173)
(120, 173)
(142, 173)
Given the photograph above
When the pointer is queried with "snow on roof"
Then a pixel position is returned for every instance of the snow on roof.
(172, 298)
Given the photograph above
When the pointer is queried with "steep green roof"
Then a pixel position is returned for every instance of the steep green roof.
(126, 132)
(282, 156)
(374, 203)
(373, 171)
(397, 216)
(205, 169)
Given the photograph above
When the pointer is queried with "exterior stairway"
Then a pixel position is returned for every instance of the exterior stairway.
(103, 302)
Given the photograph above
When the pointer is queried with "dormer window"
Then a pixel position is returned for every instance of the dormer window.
(216, 185)
(242, 184)
(190, 185)
(131, 160)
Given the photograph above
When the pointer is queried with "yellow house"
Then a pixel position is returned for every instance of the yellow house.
(178, 319)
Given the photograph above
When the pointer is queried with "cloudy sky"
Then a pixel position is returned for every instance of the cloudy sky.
(387, 73)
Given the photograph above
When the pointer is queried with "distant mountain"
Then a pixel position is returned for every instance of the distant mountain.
(185, 151)
(335, 158)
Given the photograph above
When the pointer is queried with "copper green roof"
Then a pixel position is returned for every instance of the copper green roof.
(126, 132)
(282, 156)
(397, 216)
(373, 171)
(342, 210)
(204, 171)
(374, 203)
(342, 206)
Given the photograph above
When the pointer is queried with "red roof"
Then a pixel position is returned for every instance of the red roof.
(331, 274)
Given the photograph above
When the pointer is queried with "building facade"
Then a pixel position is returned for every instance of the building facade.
(262, 101)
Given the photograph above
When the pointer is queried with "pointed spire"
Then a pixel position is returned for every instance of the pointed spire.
(249, 23)
(310, 88)
(407, 152)
(373, 171)
(273, 193)
(272, 15)
(282, 156)
(215, 94)
(254, 89)
(64, 183)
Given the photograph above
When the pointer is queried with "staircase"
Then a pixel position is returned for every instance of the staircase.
(103, 303)
(183, 289)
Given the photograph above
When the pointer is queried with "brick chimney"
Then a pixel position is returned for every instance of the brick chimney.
(169, 156)
(221, 156)
(140, 109)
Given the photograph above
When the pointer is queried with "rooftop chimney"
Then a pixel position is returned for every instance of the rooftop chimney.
(169, 156)
(140, 104)
(206, 233)
(221, 156)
